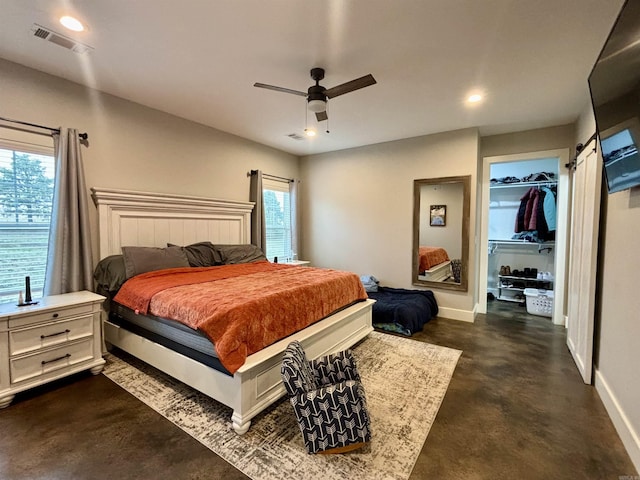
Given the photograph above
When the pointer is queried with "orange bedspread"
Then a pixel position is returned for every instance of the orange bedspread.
(245, 307)
(430, 257)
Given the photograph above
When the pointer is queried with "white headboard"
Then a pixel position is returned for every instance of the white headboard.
(152, 219)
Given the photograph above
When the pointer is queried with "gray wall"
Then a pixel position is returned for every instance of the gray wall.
(135, 147)
(358, 206)
(449, 236)
(529, 141)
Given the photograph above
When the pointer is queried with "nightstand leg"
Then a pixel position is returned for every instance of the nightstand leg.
(6, 401)
(97, 370)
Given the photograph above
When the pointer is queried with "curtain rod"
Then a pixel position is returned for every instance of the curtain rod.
(83, 136)
(253, 172)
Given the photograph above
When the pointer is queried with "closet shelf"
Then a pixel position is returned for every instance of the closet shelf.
(548, 183)
(493, 245)
(523, 242)
(524, 279)
(511, 299)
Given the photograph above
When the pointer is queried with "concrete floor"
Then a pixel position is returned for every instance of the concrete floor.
(516, 408)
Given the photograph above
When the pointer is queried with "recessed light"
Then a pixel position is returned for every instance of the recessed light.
(475, 98)
(72, 23)
(310, 133)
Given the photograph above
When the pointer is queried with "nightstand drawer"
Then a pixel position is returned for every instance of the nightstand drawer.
(30, 366)
(52, 314)
(42, 336)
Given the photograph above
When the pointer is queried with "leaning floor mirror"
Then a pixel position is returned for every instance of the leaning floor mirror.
(441, 232)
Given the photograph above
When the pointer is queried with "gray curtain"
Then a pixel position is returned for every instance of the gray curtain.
(258, 232)
(294, 192)
(69, 260)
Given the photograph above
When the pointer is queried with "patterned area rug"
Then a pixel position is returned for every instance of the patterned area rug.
(404, 380)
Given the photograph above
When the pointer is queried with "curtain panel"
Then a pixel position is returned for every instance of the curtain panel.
(294, 192)
(258, 231)
(69, 259)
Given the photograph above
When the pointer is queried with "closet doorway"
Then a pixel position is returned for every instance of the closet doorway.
(523, 261)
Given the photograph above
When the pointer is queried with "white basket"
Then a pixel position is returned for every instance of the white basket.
(539, 302)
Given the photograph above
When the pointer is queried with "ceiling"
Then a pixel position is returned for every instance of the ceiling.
(199, 59)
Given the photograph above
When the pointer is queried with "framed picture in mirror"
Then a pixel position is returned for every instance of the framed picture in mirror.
(438, 215)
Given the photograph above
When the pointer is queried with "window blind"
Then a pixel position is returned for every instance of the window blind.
(26, 195)
(277, 211)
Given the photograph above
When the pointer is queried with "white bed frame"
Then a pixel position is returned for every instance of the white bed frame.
(437, 273)
(147, 219)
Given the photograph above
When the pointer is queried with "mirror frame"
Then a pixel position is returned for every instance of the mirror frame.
(466, 206)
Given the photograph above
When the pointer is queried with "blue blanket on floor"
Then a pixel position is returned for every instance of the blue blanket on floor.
(402, 311)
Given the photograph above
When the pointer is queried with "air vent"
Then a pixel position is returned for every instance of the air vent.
(66, 42)
(295, 136)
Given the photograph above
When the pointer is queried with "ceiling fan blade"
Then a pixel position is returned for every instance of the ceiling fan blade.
(321, 116)
(356, 84)
(280, 89)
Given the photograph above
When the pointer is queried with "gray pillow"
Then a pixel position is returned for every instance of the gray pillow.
(201, 254)
(240, 253)
(139, 260)
(110, 273)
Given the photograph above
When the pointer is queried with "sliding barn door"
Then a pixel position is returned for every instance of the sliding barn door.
(585, 212)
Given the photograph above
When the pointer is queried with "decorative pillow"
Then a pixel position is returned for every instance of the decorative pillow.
(139, 260)
(110, 273)
(201, 254)
(240, 253)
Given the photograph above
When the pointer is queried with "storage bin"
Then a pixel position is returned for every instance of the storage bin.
(539, 302)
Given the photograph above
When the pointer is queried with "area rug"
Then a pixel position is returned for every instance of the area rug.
(404, 381)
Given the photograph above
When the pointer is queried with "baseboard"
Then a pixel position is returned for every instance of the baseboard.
(457, 314)
(628, 435)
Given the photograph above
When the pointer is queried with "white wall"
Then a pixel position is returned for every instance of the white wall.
(617, 351)
(358, 206)
(136, 147)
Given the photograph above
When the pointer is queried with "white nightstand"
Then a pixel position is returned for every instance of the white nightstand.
(58, 336)
(299, 263)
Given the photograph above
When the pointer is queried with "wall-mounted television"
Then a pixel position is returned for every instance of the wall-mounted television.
(615, 94)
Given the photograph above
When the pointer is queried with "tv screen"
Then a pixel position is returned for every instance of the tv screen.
(615, 93)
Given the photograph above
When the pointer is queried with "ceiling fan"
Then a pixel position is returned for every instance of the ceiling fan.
(317, 95)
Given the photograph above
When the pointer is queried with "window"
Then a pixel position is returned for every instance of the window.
(277, 213)
(26, 197)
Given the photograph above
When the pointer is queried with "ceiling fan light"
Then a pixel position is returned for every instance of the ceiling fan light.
(317, 106)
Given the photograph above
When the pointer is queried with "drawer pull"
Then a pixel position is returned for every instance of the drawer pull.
(55, 315)
(44, 362)
(42, 337)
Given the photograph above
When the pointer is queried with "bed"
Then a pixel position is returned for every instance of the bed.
(141, 219)
(433, 264)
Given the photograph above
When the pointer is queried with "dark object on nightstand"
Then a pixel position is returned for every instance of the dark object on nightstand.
(27, 288)
(27, 297)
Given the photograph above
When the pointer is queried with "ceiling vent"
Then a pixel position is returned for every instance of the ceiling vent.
(295, 136)
(66, 42)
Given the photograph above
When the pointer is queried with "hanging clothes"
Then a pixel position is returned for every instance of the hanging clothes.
(528, 205)
(531, 214)
(549, 207)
